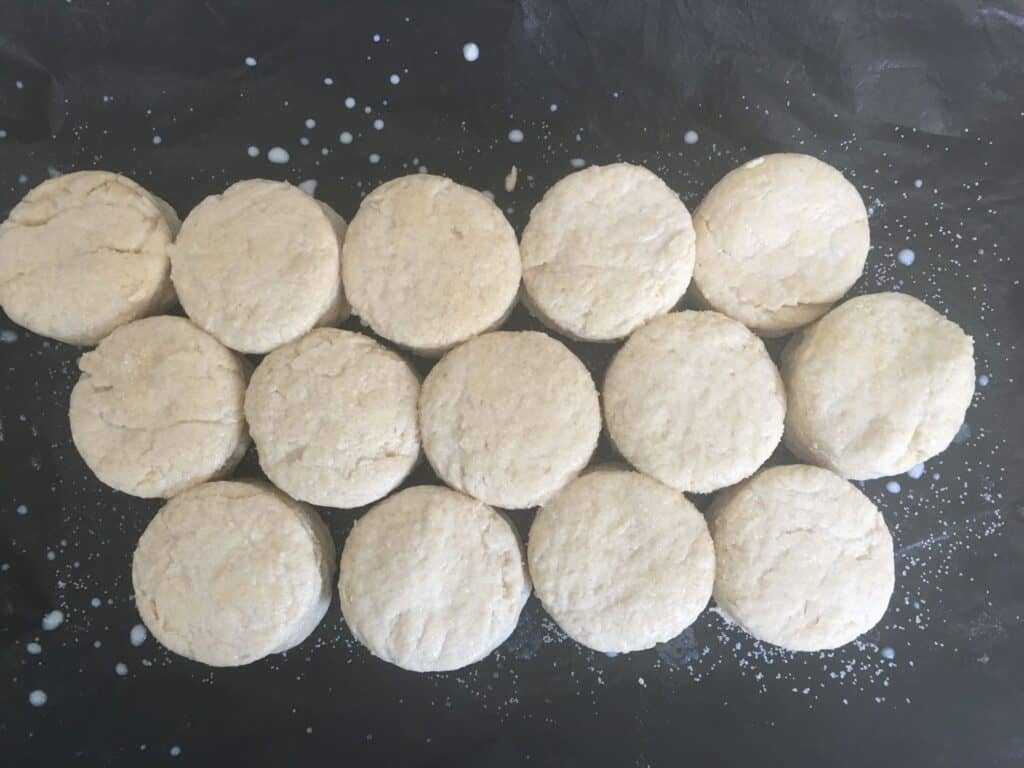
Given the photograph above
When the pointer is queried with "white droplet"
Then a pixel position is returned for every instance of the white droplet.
(892, 486)
(37, 698)
(888, 653)
(691, 137)
(488, 194)
(906, 257)
(350, 102)
(983, 380)
(138, 635)
(374, 158)
(553, 108)
(345, 137)
(328, 81)
(175, 751)
(918, 183)
(23, 179)
(395, 79)
(250, 61)
(511, 179)
(376, 38)
(21, 509)
(253, 151)
(278, 155)
(121, 669)
(577, 162)
(95, 602)
(916, 471)
(367, 109)
(378, 124)
(52, 620)
(310, 123)
(471, 52)
(3, 133)
(18, 84)
(34, 649)
(516, 136)
(157, 140)
(8, 337)
(303, 141)
(308, 186)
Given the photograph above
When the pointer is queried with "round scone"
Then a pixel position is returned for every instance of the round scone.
(158, 408)
(779, 240)
(259, 265)
(432, 580)
(333, 417)
(85, 253)
(803, 559)
(876, 386)
(620, 561)
(607, 249)
(428, 263)
(694, 400)
(509, 418)
(230, 572)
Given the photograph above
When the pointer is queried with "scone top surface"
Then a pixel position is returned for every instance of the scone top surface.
(158, 407)
(509, 417)
(608, 248)
(84, 253)
(804, 560)
(432, 580)
(229, 572)
(259, 265)
(334, 418)
(879, 384)
(428, 263)
(620, 561)
(779, 240)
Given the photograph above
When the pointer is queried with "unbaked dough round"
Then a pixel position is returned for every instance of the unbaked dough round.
(333, 416)
(804, 559)
(428, 263)
(85, 253)
(158, 408)
(878, 385)
(432, 580)
(509, 418)
(259, 265)
(620, 561)
(779, 240)
(230, 572)
(694, 400)
(607, 249)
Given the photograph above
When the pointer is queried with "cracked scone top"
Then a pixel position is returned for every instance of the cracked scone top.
(693, 400)
(158, 408)
(333, 417)
(607, 249)
(84, 253)
(779, 240)
(879, 384)
(230, 572)
(509, 417)
(259, 265)
(620, 561)
(429, 263)
(432, 580)
(804, 560)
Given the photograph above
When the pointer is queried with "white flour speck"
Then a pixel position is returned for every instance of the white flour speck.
(916, 471)
(278, 155)
(138, 635)
(641, 682)
(471, 51)
(395, 79)
(21, 509)
(350, 102)
(308, 186)
(577, 162)
(250, 61)
(53, 619)
(374, 158)
(253, 151)
(121, 669)
(691, 137)
(33, 649)
(516, 136)
(905, 257)
(37, 698)
(345, 137)
(378, 124)
(310, 123)
(892, 486)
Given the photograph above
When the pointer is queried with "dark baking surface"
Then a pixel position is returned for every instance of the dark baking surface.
(889, 92)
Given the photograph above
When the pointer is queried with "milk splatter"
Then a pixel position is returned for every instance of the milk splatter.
(553, 108)
(345, 137)
(278, 155)
(33, 649)
(138, 635)
(95, 602)
(691, 137)
(175, 751)
(253, 151)
(350, 102)
(906, 257)
(308, 186)
(983, 380)
(21, 509)
(374, 158)
(918, 183)
(471, 51)
(888, 653)
(511, 179)
(121, 669)
(577, 162)
(394, 79)
(328, 81)
(158, 140)
(52, 620)
(378, 124)
(516, 136)
(916, 471)
(893, 487)
(250, 61)
(37, 698)
(310, 123)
